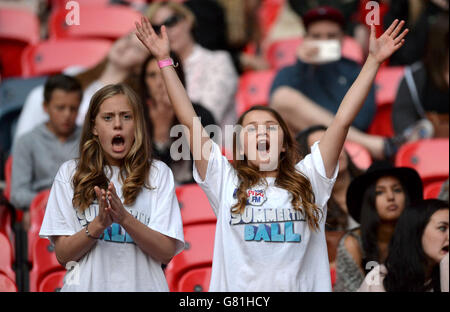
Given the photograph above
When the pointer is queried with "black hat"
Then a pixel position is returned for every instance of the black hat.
(323, 13)
(409, 178)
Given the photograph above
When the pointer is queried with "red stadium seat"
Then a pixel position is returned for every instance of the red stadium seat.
(57, 4)
(37, 211)
(196, 280)
(268, 13)
(6, 284)
(283, 53)
(6, 222)
(6, 257)
(432, 190)
(429, 157)
(194, 205)
(18, 28)
(198, 253)
(8, 176)
(52, 282)
(387, 82)
(253, 89)
(359, 154)
(116, 21)
(52, 56)
(44, 262)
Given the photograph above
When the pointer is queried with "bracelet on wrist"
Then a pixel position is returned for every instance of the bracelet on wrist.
(166, 62)
(93, 237)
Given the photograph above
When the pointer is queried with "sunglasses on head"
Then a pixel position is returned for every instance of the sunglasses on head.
(169, 22)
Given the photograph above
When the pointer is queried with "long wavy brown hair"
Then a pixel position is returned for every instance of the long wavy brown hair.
(288, 177)
(135, 167)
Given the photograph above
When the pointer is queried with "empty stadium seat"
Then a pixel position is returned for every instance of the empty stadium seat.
(387, 82)
(429, 157)
(194, 205)
(6, 284)
(196, 280)
(53, 56)
(44, 262)
(6, 257)
(432, 190)
(253, 89)
(116, 21)
(37, 212)
(18, 28)
(359, 154)
(52, 282)
(283, 53)
(198, 253)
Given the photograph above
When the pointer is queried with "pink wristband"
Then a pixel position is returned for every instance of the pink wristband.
(165, 63)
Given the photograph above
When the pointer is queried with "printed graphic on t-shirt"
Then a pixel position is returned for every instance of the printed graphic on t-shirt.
(115, 232)
(267, 224)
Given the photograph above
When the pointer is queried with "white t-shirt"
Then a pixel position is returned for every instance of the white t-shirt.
(270, 247)
(116, 263)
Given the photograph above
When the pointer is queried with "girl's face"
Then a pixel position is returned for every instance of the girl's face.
(389, 198)
(317, 136)
(178, 27)
(435, 236)
(115, 127)
(155, 83)
(262, 138)
(127, 52)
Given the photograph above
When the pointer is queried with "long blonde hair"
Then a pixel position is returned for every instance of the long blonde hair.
(135, 167)
(288, 177)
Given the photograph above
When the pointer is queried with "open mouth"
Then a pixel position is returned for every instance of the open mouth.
(263, 146)
(445, 248)
(118, 143)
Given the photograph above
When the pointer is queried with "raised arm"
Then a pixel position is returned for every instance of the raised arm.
(199, 140)
(379, 50)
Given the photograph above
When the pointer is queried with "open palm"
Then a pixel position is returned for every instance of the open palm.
(392, 40)
(157, 45)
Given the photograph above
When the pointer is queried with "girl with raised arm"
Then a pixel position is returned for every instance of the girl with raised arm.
(270, 205)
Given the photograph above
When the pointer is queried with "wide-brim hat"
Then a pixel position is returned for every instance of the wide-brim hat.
(409, 178)
(323, 13)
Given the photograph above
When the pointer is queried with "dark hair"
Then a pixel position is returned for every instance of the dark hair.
(370, 222)
(63, 82)
(406, 262)
(144, 92)
(337, 219)
(437, 51)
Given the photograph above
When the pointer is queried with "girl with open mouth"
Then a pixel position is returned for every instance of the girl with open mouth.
(112, 214)
(270, 219)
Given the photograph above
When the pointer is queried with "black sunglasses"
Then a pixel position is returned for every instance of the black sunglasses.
(169, 22)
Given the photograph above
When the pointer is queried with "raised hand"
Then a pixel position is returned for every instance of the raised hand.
(157, 45)
(382, 48)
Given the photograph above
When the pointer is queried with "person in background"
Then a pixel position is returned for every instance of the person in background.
(37, 154)
(211, 77)
(418, 252)
(124, 59)
(375, 200)
(160, 116)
